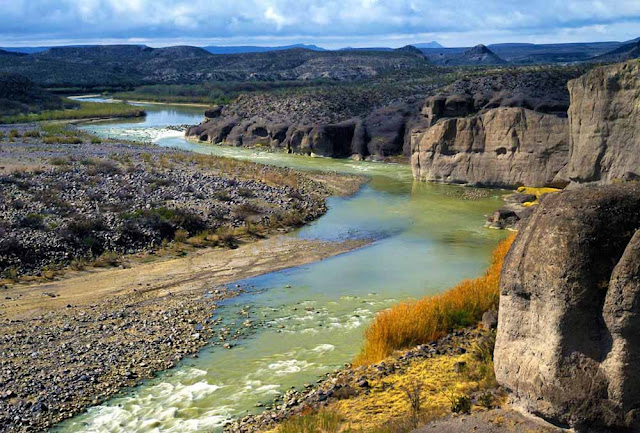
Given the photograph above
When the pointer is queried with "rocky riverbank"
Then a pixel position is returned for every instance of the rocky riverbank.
(54, 365)
(72, 340)
(70, 199)
(73, 343)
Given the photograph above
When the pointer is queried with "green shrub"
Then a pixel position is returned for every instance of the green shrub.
(32, 220)
(32, 134)
(62, 140)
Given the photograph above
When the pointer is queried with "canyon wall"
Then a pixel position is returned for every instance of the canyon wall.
(603, 119)
(568, 341)
(598, 143)
(505, 147)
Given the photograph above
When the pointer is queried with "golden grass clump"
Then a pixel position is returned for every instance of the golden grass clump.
(538, 192)
(410, 323)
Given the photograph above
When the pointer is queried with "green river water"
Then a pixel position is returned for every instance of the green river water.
(427, 238)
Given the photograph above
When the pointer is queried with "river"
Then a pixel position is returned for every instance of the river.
(312, 318)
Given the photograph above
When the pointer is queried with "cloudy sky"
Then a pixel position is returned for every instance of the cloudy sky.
(328, 23)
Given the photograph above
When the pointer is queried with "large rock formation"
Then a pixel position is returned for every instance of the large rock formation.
(604, 116)
(332, 140)
(502, 147)
(380, 133)
(509, 147)
(568, 341)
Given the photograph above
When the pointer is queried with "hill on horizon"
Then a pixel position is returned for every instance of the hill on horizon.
(478, 55)
(432, 44)
(623, 53)
(241, 49)
(133, 65)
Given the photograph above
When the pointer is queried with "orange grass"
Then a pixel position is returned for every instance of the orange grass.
(410, 323)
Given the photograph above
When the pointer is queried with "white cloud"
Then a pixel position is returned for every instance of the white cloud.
(339, 22)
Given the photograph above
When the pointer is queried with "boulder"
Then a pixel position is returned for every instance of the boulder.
(330, 140)
(568, 343)
(603, 118)
(444, 105)
(506, 147)
(213, 130)
(213, 112)
(489, 320)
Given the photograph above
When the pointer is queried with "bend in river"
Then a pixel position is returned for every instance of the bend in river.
(310, 319)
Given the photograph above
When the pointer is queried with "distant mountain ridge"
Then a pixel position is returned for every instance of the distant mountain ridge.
(528, 53)
(621, 54)
(134, 65)
(241, 49)
(432, 44)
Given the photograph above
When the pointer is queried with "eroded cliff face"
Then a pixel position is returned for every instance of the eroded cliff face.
(568, 342)
(506, 147)
(603, 118)
(600, 141)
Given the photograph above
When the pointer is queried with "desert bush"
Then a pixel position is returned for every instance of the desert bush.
(32, 134)
(246, 192)
(12, 274)
(103, 166)
(33, 221)
(49, 272)
(410, 323)
(78, 264)
(222, 195)
(107, 259)
(60, 161)
(166, 221)
(181, 235)
(14, 134)
(460, 403)
(246, 210)
(227, 238)
(85, 232)
(480, 367)
(412, 392)
(62, 140)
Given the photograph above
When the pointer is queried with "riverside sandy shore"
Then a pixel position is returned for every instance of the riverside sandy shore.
(72, 343)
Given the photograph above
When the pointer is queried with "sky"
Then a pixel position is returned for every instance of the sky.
(327, 23)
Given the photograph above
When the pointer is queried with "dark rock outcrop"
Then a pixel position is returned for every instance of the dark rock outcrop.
(382, 132)
(213, 112)
(569, 327)
(502, 147)
(603, 119)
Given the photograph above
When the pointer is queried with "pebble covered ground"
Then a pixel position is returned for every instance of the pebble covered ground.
(54, 365)
(61, 202)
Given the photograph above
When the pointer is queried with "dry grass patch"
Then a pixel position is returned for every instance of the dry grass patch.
(538, 192)
(412, 323)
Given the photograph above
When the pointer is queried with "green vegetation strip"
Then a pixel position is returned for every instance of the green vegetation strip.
(86, 110)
